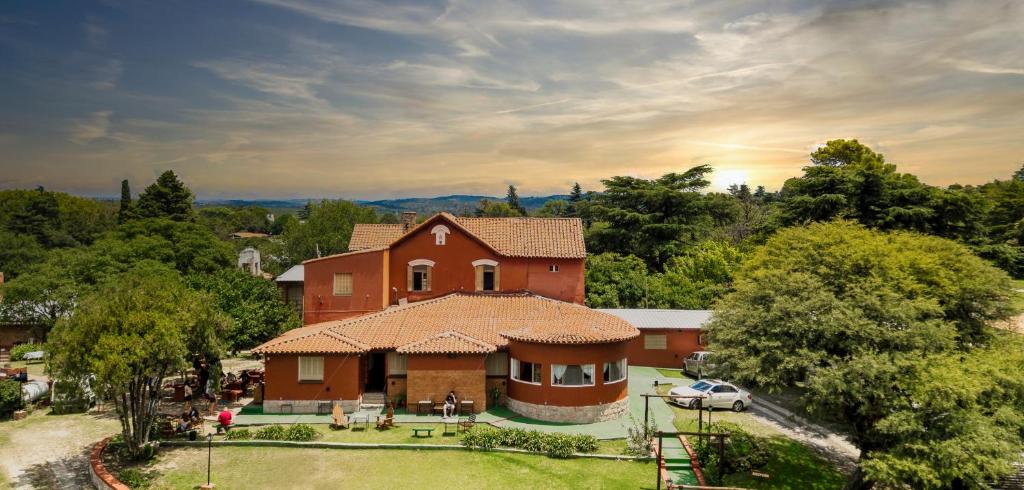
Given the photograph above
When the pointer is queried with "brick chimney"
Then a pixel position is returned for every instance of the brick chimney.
(408, 220)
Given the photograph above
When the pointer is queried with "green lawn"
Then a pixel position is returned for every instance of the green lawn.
(248, 467)
(402, 434)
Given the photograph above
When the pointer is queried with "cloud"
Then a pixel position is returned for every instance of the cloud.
(95, 35)
(268, 77)
(97, 126)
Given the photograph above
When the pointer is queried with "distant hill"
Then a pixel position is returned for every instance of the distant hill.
(456, 204)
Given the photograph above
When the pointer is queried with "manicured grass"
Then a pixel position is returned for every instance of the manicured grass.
(248, 467)
(402, 434)
(672, 373)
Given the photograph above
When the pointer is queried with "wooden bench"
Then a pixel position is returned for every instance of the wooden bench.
(417, 430)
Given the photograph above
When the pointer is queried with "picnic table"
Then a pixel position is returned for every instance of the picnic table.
(34, 355)
(361, 418)
(417, 430)
(450, 421)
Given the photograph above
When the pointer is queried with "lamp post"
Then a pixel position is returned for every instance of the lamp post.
(209, 460)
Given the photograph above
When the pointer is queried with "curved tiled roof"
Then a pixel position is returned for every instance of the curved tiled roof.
(312, 341)
(450, 342)
(490, 319)
(511, 237)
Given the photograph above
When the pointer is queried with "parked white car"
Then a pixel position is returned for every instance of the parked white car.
(716, 393)
(698, 364)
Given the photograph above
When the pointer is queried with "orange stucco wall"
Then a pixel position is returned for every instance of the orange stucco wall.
(680, 343)
(341, 379)
(368, 270)
(453, 269)
(546, 354)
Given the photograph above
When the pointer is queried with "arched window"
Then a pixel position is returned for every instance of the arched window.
(488, 275)
(419, 275)
(440, 232)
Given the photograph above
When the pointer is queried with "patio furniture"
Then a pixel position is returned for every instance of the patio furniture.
(439, 408)
(465, 406)
(323, 408)
(361, 418)
(386, 422)
(467, 423)
(454, 423)
(423, 407)
(338, 417)
(417, 430)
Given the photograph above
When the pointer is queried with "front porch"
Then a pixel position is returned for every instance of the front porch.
(641, 380)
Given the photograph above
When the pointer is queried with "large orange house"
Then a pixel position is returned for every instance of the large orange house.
(491, 308)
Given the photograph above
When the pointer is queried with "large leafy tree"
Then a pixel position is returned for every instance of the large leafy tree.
(652, 219)
(848, 180)
(166, 198)
(495, 209)
(698, 277)
(253, 303)
(326, 229)
(853, 316)
(616, 281)
(130, 333)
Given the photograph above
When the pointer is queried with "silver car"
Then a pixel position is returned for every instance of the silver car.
(698, 364)
(713, 393)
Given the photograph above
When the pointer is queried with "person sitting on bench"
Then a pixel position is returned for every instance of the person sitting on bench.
(449, 404)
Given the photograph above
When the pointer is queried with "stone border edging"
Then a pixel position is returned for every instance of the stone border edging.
(98, 474)
(361, 445)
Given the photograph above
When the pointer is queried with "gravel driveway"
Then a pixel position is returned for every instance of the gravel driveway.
(51, 451)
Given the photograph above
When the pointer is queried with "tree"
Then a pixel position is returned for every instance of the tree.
(616, 281)
(854, 315)
(554, 208)
(17, 253)
(253, 303)
(327, 229)
(701, 275)
(130, 334)
(166, 198)
(512, 199)
(652, 219)
(127, 209)
(495, 209)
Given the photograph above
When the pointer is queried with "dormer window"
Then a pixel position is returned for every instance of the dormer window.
(440, 232)
(419, 275)
(488, 274)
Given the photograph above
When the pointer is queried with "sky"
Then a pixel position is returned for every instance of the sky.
(363, 100)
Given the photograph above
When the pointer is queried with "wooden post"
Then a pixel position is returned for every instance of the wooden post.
(700, 417)
(647, 400)
(659, 455)
(721, 458)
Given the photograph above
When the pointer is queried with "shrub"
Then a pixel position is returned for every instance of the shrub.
(10, 397)
(637, 443)
(136, 478)
(18, 352)
(743, 451)
(301, 432)
(239, 435)
(583, 443)
(555, 445)
(558, 445)
(481, 438)
(271, 433)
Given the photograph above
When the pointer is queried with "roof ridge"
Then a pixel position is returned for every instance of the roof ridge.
(278, 340)
(343, 254)
(344, 338)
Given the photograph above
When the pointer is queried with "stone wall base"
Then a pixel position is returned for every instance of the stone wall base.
(578, 415)
(306, 406)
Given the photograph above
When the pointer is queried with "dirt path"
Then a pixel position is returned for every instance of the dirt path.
(51, 451)
(832, 446)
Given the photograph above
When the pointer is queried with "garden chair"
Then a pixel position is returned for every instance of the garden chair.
(338, 418)
(468, 422)
(388, 421)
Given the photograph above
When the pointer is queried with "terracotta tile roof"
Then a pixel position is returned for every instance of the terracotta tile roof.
(490, 319)
(366, 236)
(511, 237)
(312, 340)
(356, 252)
(450, 342)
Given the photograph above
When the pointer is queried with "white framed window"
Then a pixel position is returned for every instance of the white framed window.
(526, 372)
(553, 268)
(702, 339)
(488, 275)
(655, 342)
(343, 284)
(440, 232)
(572, 375)
(419, 275)
(614, 372)
(311, 368)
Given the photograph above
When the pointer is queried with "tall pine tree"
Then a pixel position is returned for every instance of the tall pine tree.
(575, 196)
(127, 210)
(512, 198)
(166, 198)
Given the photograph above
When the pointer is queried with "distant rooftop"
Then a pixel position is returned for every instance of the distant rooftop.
(296, 274)
(644, 318)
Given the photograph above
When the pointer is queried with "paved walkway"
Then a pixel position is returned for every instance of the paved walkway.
(641, 380)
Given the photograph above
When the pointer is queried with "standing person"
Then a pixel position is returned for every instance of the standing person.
(188, 395)
(449, 404)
